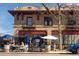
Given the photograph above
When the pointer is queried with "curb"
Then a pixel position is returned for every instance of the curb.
(35, 53)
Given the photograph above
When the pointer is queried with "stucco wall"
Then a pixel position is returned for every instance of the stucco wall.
(22, 21)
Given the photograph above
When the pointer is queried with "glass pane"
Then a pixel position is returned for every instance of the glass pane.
(29, 21)
(47, 21)
(77, 39)
(71, 39)
(65, 39)
(57, 41)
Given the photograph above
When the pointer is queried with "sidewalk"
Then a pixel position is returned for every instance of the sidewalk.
(50, 52)
(60, 52)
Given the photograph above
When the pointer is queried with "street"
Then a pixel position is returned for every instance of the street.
(35, 54)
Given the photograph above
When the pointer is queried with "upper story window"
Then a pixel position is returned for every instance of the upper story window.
(29, 21)
(71, 21)
(48, 21)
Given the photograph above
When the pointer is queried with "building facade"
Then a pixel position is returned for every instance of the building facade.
(37, 21)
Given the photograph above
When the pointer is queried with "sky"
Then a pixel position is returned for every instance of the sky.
(7, 20)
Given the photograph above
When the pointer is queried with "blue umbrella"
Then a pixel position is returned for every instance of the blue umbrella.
(37, 37)
(0, 37)
(27, 39)
(7, 36)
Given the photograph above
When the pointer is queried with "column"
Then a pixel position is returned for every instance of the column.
(15, 19)
(49, 41)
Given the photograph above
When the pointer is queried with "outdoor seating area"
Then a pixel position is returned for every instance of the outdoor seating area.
(9, 44)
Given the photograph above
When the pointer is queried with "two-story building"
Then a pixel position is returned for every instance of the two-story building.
(36, 21)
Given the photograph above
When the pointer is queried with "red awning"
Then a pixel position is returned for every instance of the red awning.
(32, 32)
(71, 32)
(55, 32)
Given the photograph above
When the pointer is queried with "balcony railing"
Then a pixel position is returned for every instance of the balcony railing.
(43, 26)
(39, 26)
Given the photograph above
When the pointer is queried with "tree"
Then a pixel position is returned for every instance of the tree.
(59, 6)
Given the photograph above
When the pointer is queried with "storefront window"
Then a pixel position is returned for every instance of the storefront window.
(70, 39)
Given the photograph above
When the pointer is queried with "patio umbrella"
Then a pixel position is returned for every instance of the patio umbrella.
(7, 37)
(50, 37)
(38, 39)
(27, 39)
(0, 38)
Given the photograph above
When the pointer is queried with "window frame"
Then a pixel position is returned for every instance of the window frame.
(71, 21)
(48, 20)
(27, 21)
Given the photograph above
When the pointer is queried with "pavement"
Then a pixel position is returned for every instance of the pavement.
(24, 53)
(59, 52)
(50, 53)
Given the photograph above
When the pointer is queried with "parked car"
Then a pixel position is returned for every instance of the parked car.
(74, 48)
